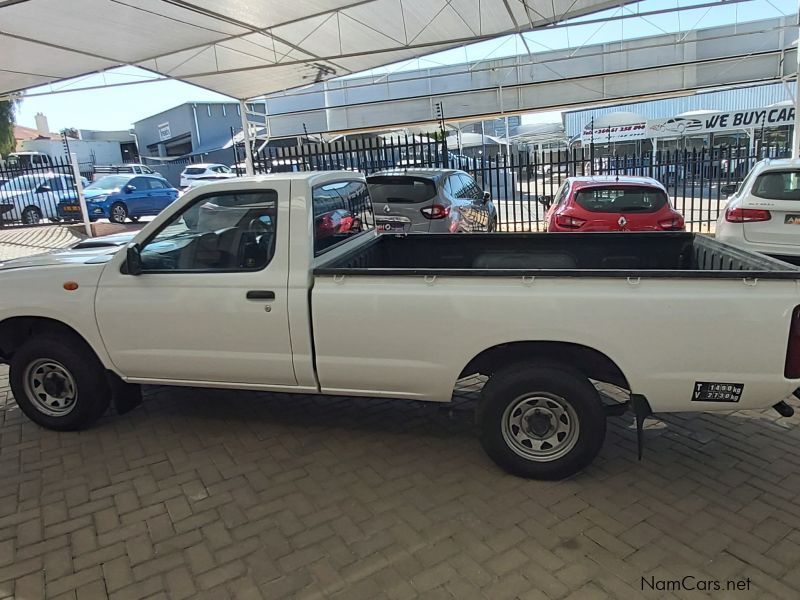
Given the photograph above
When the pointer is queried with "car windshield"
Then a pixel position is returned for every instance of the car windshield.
(400, 189)
(616, 199)
(24, 183)
(111, 182)
(195, 170)
(778, 185)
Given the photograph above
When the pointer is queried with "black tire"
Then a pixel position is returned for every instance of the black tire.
(31, 216)
(553, 398)
(118, 212)
(88, 393)
(492, 225)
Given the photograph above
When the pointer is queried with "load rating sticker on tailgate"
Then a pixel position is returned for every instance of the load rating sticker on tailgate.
(707, 391)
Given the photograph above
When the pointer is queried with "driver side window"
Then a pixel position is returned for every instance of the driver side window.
(220, 233)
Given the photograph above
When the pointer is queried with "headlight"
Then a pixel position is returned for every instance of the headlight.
(97, 198)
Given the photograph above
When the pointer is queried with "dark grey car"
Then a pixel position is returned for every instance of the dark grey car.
(430, 201)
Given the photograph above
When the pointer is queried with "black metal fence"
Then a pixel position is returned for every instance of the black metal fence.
(32, 188)
(697, 180)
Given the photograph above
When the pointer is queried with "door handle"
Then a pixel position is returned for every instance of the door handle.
(260, 295)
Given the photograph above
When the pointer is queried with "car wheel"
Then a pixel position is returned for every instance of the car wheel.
(58, 382)
(118, 213)
(492, 225)
(31, 215)
(542, 420)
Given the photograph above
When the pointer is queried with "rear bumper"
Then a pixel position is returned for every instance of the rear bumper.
(784, 252)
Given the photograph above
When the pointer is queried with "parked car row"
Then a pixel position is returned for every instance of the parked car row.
(450, 201)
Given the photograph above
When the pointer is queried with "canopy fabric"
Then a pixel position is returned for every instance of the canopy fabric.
(247, 48)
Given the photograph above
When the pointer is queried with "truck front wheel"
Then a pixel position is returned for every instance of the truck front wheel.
(542, 421)
(58, 382)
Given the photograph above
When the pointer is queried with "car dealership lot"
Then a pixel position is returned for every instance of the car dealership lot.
(231, 494)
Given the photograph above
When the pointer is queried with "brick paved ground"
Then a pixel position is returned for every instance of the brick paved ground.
(216, 494)
(25, 241)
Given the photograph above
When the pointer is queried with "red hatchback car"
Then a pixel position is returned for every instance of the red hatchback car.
(612, 203)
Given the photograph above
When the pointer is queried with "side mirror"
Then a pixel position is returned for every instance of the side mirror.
(486, 197)
(44, 188)
(545, 201)
(728, 189)
(133, 259)
(130, 188)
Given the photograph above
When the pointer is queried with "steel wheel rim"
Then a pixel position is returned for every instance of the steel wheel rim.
(30, 217)
(119, 213)
(541, 427)
(50, 387)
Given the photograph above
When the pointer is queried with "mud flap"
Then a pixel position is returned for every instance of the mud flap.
(126, 396)
(642, 410)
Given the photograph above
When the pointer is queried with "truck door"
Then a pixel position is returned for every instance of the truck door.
(211, 302)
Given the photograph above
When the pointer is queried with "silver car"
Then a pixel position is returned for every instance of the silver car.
(430, 201)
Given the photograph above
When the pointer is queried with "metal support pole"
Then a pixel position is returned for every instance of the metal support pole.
(796, 135)
(508, 142)
(248, 147)
(76, 174)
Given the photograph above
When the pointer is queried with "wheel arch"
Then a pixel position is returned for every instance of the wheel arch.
(593, 363)
(15, 330)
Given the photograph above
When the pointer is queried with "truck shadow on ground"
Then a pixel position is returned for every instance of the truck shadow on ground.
(716, 450)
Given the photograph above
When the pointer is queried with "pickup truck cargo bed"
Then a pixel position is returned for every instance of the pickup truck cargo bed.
(678, 254)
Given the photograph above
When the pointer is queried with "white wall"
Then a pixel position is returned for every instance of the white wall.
(105, 153)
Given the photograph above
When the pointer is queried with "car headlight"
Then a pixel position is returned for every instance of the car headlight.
(97, 198)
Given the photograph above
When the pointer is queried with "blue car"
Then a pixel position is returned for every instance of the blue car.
(121, 197)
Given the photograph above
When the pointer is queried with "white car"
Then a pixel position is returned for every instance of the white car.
(763, 215)
(33, 197)
(205, 170)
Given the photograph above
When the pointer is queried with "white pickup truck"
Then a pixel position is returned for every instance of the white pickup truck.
(281, 283)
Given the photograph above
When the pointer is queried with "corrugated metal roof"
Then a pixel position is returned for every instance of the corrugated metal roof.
(722, 100)
(246, 48)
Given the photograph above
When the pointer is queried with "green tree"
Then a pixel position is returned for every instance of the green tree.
(6, 127)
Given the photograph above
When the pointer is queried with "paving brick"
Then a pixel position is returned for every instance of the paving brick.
(215, 494)
(117, 573)
(74, 580)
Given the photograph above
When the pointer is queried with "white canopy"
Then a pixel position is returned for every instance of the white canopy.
(247, 48)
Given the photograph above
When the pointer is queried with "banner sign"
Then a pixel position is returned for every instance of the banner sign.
(163, 132)
(619, 133)
(723, 121)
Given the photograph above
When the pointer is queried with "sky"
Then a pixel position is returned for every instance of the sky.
(115, 108)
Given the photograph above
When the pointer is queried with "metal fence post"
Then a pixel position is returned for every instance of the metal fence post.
(76, 174)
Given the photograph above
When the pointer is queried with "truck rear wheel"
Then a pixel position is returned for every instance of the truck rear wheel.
(59, 383)
(542, 421)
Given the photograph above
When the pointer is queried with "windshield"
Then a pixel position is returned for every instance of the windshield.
(401, 189)
(24, 183)
(616, 199)
(778, 185)
(110, 182)
(195, 170)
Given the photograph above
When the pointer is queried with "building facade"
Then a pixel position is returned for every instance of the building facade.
(196, 130)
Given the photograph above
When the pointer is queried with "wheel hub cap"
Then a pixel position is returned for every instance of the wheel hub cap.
(50, 387)
(541, 426)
